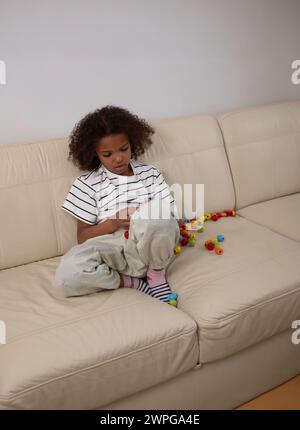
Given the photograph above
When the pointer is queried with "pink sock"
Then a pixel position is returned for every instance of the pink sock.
(127, 282)
(156, 277)
(130, 281)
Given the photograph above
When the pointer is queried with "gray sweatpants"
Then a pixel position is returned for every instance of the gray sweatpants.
(95, 265)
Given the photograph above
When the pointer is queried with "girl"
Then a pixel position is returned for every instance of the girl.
(114, 196)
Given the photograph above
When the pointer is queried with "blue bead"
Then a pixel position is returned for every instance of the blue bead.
(173, 296)
(220, 238)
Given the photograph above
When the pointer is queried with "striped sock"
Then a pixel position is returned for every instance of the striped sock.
(160, 292)
(141, 285)
(159, 287)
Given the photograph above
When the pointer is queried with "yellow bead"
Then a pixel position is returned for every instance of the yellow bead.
(177, 249)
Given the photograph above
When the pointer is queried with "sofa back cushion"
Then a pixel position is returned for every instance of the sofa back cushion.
(190, 150)
(263, 147)
(35, 179)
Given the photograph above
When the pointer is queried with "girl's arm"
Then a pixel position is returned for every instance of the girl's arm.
(86, 231)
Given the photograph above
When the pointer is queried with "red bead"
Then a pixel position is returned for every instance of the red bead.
(215, 217)
(184, 241)
(126, 234)
(210, 246)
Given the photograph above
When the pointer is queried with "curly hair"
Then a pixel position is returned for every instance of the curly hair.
(104, 122)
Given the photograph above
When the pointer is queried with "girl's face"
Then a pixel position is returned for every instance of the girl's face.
(114, 152)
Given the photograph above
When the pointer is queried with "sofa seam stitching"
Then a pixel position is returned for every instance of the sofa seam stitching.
(228, 163)
(98, 365)
(255, 107)
(67, 322)
(250, 308)
(265, 226)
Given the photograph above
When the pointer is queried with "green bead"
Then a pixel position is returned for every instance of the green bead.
(173, 302)
(192, 242)
(200, 230)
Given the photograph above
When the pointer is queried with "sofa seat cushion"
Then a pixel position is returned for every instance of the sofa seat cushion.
(85, 352)
(244, 296)
(281, 215)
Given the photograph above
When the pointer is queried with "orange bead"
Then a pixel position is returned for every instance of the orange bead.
(219, 251)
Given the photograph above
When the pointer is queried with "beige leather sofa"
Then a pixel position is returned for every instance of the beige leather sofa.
(230, 338)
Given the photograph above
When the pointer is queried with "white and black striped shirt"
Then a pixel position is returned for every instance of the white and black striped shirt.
(99, 194)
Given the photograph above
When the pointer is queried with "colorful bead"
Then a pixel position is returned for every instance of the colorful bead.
(219, 250)
(186, 235)
(177, 249)
(126, 234)
(210, 246)
(184, 241)
(173, 303)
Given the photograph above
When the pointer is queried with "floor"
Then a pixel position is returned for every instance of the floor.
(286, 396)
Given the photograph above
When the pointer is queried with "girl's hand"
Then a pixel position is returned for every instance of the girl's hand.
(121, 219)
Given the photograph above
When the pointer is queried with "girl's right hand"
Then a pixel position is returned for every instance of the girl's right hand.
(121, 220)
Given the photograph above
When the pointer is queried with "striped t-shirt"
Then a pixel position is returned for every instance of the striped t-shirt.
(99, 194)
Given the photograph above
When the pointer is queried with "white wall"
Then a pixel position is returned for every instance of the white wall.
(158, 58)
